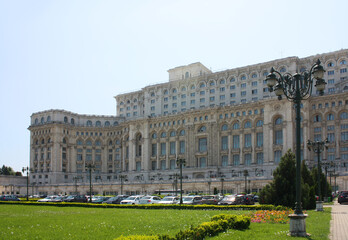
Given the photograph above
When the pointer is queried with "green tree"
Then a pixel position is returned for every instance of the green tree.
(4, 170)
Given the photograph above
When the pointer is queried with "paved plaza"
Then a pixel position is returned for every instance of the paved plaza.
(339, 222)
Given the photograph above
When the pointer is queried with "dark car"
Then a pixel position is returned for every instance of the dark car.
(232, 200)
(116, 200)
(9, 198)
(211, 199)
(76, 198)
(100, 199)
(248, 200)
(342, 197)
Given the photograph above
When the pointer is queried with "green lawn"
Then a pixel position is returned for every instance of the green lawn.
(49, 222)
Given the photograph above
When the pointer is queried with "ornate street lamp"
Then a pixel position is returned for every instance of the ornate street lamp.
(90, 167)
(246, 174)
(296, 88)
(180, 162)
(27, 169)
(75, 180)
(318, 147)
(122, 178)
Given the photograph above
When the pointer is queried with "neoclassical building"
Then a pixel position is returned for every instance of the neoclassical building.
(228, 127)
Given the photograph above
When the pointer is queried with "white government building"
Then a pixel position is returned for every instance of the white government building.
(224, 124)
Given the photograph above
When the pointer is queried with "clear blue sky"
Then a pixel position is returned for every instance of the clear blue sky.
(76, 55)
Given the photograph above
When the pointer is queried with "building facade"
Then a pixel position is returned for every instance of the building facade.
(228, 127)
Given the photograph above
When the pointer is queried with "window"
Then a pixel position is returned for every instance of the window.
(202, 144)
(254, 91)
(344, 115)
(259, 139)
(222, 81)
(344, 136)
(174, 105)
(235, 141)
(202, 85)
(247, 124)
(243, 85)
(224, 127)
(172, 146)
(254, 75)
(153, 149)
(232, 95)
(317, 118)
(259, 158)
(212, 91)
(331, 72)
(224, 143)
(331, 81)
(243, 77)
(278, 137)
(202, 162)
(222, 89)
(232, 79)
(232, 87)
(182, 132)
(278, 121)
(247, 159)
(343, 70)
(222, 97)
(330, 64)
(212, 83)
(277, 156)
(330, 117)
(212, 99)
(247, 140)
(163, 134)
(202, 129)
(236, 161)
(235, 126)
(282, 70)
(343, 62)
(163, 149)
(224, 161)
(259, 123)
(182, 147)
(243, 93)
(163, 164)
(331, 137)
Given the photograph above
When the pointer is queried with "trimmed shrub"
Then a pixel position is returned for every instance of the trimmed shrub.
(138, 237)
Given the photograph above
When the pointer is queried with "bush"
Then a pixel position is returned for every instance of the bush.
(138, 237)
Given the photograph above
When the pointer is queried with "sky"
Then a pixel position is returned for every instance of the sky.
(77, 55)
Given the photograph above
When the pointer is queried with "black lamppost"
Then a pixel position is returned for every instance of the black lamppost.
(296, 88)
(122, 178)
(27, 169)
(246, 174)
(90, 167)
(75, 180)
(180, 162)
(318, 147)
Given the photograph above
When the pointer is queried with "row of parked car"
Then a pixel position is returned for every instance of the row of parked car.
(237, 199)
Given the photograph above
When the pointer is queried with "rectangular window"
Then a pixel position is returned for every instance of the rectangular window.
(202, 145)
(172, 148)
(331, 81)
(183, 95)
(182, 147)
(222, 89)
(331, 137)
(183, 103)
(224, 143)
(232, 87)
(192, 102)
(174, 97)
(202, 93)
(165, 99)
(163, 148)
(247, 140)
(332, 72)
(254, 84)
(212, 99)
(243, 93)
(259, 158)
(224, 161)
(174, 105)
(278, 137)
(138, 166)
(247, 159)
(79, 157)
(193, 94)
(222, 97)
(254, 91)
(202, 162)
(259, 139)
(344, 136)
(163, 164)
(172, 164)
(235, 141)
(232, 95)
(202, 100)
(243, 85)
(154, 149)
(212, 91)
(153, 165)
(317, 137)
(236, 161)
(277, 156)
(343, 70)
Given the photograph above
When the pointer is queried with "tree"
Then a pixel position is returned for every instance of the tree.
(4, 170)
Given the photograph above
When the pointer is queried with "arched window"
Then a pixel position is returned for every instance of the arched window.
(48, 119)
(343, 62)
(265, 73)
(174, 90)
(172, 133)
(247, 124)
(202, 129)
(330, 64)
(107, 124)
(317, 118)
(89, 143)
(115, 123)
(187, 74)
(163, 134)
(222, 81)
(202, 85)
(344, 115)
(121, 103)
(64, 140)
(154, 136)
(278, 121)
(212, 83)
(232, 79)
(42, 120)
(89, 123)
(330, 117)
(98, 123)
(79, 142)
(243, 77)
(235, 126)
(72, 121)
(283, 69)
(135, 100)
(65, 119)
(165, 92)
(259, 123)
(110, 143)
(182, 132)
(193, 87)
(183, 89)
(224, 127)
(42, 141)
(254, 75)
(36, 121)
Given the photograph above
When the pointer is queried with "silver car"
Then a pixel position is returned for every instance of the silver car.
(149, 200)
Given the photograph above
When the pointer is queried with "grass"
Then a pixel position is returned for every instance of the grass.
(48, 222)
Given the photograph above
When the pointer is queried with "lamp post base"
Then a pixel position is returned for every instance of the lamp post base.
(319, 206)
(298, 225)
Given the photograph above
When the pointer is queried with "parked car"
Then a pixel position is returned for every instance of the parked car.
(116, 200)
(231, 200)
(47, 199)
(100, 199)
(9, 198)
(149, 200)
(342, 197)
(169, 200)
(211, 199)
(248, 199)
(192, 200)
(76, 198)
(132, 199)
(59, 199)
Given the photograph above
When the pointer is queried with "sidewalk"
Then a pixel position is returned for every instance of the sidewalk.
(339, 222)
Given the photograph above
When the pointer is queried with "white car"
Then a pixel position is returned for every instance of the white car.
(132, 199)
(149, 200)
(47, 199)
(169, 200)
